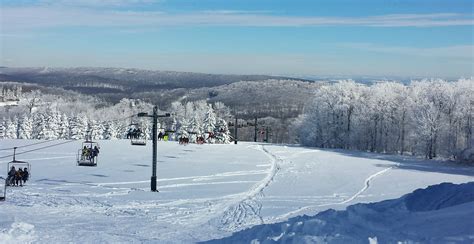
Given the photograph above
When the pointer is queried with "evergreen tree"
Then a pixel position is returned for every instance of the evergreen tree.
(64, 127)
(222, 132)
(11, 129)
(195, 128)
(96, 130)
(39, 126)
(25, 128)
(209, 125)
(183, 129)
(78, 127)
(52, 127)
(111, 131)
(3, 128)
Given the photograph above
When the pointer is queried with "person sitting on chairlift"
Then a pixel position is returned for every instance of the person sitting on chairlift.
(26, 175)
(85, 153)
(11, 176)
(94, 152)
(19, 177)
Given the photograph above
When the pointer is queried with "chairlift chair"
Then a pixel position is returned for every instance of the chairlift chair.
(17, 164)
(137, 140)
(3, 194)
(87, 160)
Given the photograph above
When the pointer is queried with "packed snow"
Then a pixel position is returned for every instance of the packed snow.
(206, 191)
(439, 214)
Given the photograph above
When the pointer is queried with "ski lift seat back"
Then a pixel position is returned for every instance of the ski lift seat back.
(19, 164)
(3, 189)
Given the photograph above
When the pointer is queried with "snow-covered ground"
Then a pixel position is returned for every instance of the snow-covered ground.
(206, 191)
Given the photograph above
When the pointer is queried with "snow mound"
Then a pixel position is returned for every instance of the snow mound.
(439, 196)
(438, 214)
(19, 232)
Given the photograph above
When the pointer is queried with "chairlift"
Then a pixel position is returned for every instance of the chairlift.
(136, 135)
(17, 164)
(3, 189)
(86, 155)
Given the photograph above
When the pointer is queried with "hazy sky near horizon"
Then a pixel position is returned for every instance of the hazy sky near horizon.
(430, 38)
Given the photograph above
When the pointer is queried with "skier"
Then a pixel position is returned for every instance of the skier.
(26, 175)
(85, 153)
(11, 176)
(19, 177)
(95, 151)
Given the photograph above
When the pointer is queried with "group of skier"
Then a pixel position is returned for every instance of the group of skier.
(163, 136)
(135, 133)
(17, 177)
(89, 153)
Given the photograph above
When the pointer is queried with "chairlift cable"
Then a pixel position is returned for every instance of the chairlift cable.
(37, 143)
(40, 148)
(28, 145)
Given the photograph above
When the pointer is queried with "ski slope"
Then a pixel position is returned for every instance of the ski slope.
(205, 191)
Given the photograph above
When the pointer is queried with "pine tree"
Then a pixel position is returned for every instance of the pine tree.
(183, 129)
(210, 125)
(195, 128)
(52, 127)
(11, 129)
(25, 128)
(64, 127)
(78, 127)
(96, 130)
(111, 131)
(39, 126)
(3, 128)
(222, 132)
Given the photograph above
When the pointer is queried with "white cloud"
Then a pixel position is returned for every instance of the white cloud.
(14, 18)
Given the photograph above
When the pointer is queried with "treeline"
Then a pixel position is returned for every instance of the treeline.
(432, 118)
(45, 117)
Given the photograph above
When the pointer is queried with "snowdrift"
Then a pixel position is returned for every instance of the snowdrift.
(438, 214)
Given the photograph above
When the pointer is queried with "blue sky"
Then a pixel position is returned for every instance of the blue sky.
(429, 38)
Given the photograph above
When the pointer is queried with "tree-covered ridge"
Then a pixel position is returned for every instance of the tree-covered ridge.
(46, 116)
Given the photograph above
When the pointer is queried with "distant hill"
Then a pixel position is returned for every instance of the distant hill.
(121, 79)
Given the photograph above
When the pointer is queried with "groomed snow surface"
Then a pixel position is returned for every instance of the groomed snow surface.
(209, 192)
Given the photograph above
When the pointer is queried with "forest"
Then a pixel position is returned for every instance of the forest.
(429, 118)
(47, 116)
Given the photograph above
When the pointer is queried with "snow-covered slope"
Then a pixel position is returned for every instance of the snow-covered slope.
(441, 213)
(206, 191)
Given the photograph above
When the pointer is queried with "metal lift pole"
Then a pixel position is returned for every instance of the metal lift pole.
(256, 130)
(235, 131)
(155, 150)
(154, 116)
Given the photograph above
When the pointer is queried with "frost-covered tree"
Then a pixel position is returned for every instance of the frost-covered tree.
(39, 126)
(209, 124)
(429, 117)
(96, 130)
(52, 127)
(222, 132)
(78, 127)
(63, 127)
(195, 129)
(25, 127)
(11, 129)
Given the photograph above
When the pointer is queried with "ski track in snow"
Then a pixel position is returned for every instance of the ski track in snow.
(246, 212)
(366, 186)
